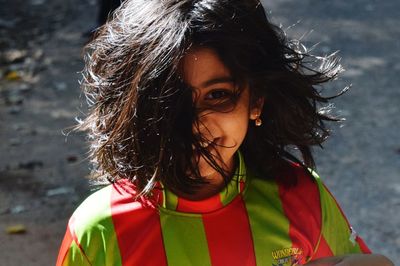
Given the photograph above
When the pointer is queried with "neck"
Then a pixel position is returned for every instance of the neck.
(215, 183)
(205, 191)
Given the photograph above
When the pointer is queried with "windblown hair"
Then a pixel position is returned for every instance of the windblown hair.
(141, 113)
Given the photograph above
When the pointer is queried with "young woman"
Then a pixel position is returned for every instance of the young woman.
(194, 105)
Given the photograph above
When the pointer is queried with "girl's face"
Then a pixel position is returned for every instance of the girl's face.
(213, 90)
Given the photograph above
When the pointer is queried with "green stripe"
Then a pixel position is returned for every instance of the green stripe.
(185, 240)
(170, 200)
(269, 228)
(230, 191)
(334, 226)
(233, 188)
(95, 231)
(75, 257)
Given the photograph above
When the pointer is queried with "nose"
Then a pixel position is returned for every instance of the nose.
(204, 126)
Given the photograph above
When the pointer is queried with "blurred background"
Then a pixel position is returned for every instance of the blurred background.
(43, 165)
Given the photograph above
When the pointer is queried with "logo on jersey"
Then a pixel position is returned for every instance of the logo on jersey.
(287, 257)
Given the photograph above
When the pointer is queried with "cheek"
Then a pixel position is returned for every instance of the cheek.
(242, 128)
(242, 117)
(236, 127)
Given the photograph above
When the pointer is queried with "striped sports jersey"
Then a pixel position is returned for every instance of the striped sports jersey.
(252, 221)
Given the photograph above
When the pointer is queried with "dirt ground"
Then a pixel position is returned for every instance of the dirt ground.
(42, 161)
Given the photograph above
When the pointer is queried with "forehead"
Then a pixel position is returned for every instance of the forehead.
(202, 65)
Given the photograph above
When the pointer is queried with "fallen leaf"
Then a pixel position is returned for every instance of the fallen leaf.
(13, 75)
(16, 229)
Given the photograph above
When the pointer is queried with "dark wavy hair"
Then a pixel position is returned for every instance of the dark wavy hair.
(141, 113)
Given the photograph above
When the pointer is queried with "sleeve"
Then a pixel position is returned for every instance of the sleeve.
(70, 252)
(90, 238)
(337, 236)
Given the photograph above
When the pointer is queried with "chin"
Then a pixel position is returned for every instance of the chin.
(207, 170)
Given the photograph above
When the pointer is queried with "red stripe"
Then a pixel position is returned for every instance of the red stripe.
(323, 250)
(242, 186)
(202, 206)
(301, 203)
(72, 232)
(229, 236)
(66, 244)
(363, 246)
(70, 236)
(138, 229)
(158, 195)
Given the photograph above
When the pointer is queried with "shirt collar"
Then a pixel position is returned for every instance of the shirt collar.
(170, 201)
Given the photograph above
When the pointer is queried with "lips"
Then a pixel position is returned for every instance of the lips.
(207, 143)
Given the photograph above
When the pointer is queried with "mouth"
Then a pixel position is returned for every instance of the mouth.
(208, 143)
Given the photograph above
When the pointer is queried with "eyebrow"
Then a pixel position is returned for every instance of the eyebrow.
(217, 80)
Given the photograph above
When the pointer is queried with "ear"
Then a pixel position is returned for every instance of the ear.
(255, 110)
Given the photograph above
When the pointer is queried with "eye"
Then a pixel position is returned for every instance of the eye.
(218, 99)
(218, 94)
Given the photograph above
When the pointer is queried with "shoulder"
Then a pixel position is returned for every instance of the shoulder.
(299, 190)
(293, 196)
(296, 191)
(293, 187)
(297, 179)
(96, 212)
(310, 202)
(92, 216)
(98, 223)
(104, 219)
